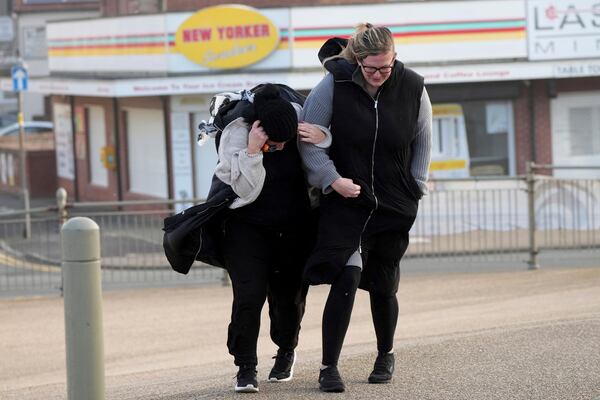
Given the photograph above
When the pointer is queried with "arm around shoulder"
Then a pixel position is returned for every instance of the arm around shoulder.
(321, 171)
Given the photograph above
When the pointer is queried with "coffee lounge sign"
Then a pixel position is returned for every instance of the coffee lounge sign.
(563, 29)
(227, 37)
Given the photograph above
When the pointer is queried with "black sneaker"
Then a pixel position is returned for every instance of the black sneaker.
(246, 379)
(383, 368)
(283, 369)
(330, 380)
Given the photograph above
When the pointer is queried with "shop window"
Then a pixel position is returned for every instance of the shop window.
(446, 139)
(472, 138)
(489, 135)
(584, 122)
(575, 123)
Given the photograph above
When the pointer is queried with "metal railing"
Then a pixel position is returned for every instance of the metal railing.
(477, 221)
(510, 220)
(131, 240)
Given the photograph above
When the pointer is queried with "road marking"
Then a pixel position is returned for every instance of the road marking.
(14, 262)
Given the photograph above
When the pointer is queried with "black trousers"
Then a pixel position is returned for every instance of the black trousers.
(264, 264)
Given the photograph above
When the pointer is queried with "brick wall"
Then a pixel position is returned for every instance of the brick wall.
(40, 164)
(543, 130)
(543, 91)
(522, 129)
(42, 173)
(112, 8)
(191, 5)
(20, 6)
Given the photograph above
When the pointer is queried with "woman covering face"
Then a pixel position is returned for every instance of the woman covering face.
(267, 235)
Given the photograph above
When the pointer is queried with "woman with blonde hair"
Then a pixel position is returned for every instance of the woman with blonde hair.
(372, 178)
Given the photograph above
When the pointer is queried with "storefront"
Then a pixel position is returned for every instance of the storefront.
(576, 129)
(504, 92)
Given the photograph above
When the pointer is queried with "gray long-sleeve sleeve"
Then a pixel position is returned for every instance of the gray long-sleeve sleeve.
(320, 169)
(421, 145)
(317, 110)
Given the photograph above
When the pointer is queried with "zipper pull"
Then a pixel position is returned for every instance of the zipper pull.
(360, 249)
(376, 104)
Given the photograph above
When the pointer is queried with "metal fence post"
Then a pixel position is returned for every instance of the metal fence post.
(80, 239)
(533, 251)
(61, 203)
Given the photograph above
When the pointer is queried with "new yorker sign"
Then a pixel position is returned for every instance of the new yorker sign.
(226, 37)
(563, 29)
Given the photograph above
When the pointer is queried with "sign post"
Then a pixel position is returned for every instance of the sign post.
(19, 80)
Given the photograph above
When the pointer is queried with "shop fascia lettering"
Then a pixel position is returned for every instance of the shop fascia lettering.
(227, 37)
(226, 33)
(561, 30)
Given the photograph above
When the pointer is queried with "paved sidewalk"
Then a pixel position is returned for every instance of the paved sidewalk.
(509, 335)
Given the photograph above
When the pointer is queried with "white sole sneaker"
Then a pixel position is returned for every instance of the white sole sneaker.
(246, 389)
(289, 378)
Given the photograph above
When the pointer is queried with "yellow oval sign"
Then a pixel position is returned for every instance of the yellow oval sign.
(225, 37)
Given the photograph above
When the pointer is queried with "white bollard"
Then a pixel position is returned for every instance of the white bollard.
(82, 285)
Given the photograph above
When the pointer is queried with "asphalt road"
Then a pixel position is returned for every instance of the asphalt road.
(488, 335)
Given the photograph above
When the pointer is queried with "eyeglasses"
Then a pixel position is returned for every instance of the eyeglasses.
(386, 69)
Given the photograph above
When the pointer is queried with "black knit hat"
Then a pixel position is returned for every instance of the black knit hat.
(277, 116)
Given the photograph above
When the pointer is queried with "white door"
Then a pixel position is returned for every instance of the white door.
(146, 150)
(97, 140)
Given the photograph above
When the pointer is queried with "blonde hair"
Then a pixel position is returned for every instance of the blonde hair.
(368, 40)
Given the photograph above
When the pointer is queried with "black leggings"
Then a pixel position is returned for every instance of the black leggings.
(384, 309)
(337, 312)
(338, 309)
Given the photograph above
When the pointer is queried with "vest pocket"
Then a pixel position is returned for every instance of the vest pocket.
(414, 187)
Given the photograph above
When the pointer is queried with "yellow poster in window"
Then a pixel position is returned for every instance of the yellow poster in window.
(108, 157)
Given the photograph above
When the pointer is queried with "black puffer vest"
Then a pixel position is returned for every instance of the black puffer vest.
(373, 136)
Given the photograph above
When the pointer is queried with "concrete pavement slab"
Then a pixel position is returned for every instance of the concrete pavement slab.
(521, 335)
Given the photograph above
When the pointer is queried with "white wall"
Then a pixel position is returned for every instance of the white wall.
(38, 66)
(32, 41)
